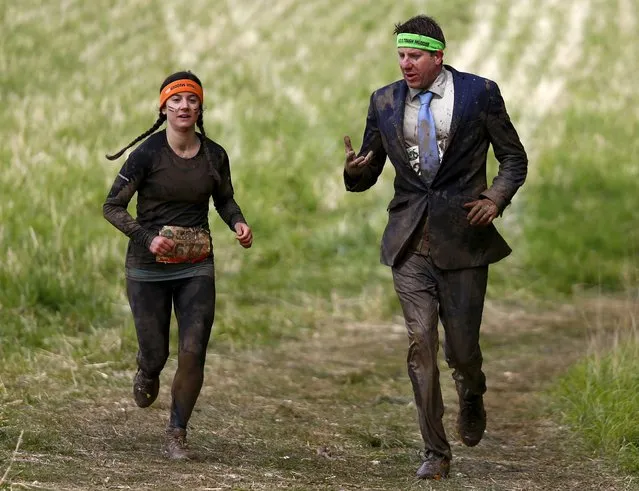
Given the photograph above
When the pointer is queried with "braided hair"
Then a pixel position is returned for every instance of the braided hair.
(212, 170)
(162, 118)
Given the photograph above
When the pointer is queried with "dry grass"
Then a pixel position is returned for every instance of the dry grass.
(331, 410)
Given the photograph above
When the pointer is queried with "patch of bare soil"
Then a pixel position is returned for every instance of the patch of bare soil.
(333, 411)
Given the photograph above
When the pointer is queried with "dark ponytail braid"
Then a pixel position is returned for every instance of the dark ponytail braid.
(161, 119)
(212, 170)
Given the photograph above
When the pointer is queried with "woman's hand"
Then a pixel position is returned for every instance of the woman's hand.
(243, 234)
(161, 245)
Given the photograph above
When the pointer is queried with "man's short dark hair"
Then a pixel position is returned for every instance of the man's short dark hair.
(424, 25)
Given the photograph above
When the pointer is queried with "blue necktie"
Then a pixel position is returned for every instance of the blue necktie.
(428, 152)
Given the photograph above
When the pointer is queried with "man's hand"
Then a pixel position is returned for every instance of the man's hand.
(354, 166)
(244, 234)
(161, 245)
(482, 212)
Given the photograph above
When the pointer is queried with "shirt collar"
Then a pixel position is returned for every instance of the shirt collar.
(438, 87)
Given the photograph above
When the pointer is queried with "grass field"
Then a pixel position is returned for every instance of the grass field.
(598, 397)
(284, 81)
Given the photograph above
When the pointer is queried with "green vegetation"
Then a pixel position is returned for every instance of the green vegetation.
(582, 207)
(76, 89)
(284, 81)
(598, 398)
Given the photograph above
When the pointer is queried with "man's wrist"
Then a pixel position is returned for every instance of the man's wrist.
(491, 196)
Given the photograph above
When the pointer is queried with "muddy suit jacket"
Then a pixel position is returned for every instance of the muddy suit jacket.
(479, 119)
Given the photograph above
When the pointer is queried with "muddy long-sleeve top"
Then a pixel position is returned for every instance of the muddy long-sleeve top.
(171, 191)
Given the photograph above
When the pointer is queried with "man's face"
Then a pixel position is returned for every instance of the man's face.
(420, 68)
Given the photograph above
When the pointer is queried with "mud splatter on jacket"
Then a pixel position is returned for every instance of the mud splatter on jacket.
(480, 120)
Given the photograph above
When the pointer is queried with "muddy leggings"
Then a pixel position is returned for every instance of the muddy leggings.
(194, 301)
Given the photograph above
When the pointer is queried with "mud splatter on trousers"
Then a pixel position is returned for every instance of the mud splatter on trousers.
(426, 294)
(194, 302)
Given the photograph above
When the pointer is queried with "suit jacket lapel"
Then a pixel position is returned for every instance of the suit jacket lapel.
(399, 101)
(459, 107)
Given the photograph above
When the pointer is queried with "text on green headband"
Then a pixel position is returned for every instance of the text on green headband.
(417, 41)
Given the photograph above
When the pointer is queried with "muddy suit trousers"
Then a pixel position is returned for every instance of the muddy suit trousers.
(427, 294)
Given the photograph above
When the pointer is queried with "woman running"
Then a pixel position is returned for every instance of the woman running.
(169, 259)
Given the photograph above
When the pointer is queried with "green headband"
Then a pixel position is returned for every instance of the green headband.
(417, 41)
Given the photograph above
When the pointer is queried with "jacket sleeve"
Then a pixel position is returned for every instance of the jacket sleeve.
(372, 141)
(223, 199)
(126, 183)
(508, 149)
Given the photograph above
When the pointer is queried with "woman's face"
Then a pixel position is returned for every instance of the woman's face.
(182, 110)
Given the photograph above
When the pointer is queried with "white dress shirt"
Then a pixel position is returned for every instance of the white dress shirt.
(441, 107)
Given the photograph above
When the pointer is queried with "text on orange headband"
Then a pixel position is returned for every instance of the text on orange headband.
(183, 85)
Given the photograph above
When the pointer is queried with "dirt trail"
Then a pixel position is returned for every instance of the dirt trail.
(334, 411)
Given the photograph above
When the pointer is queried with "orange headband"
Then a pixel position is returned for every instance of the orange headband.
(184, 85)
